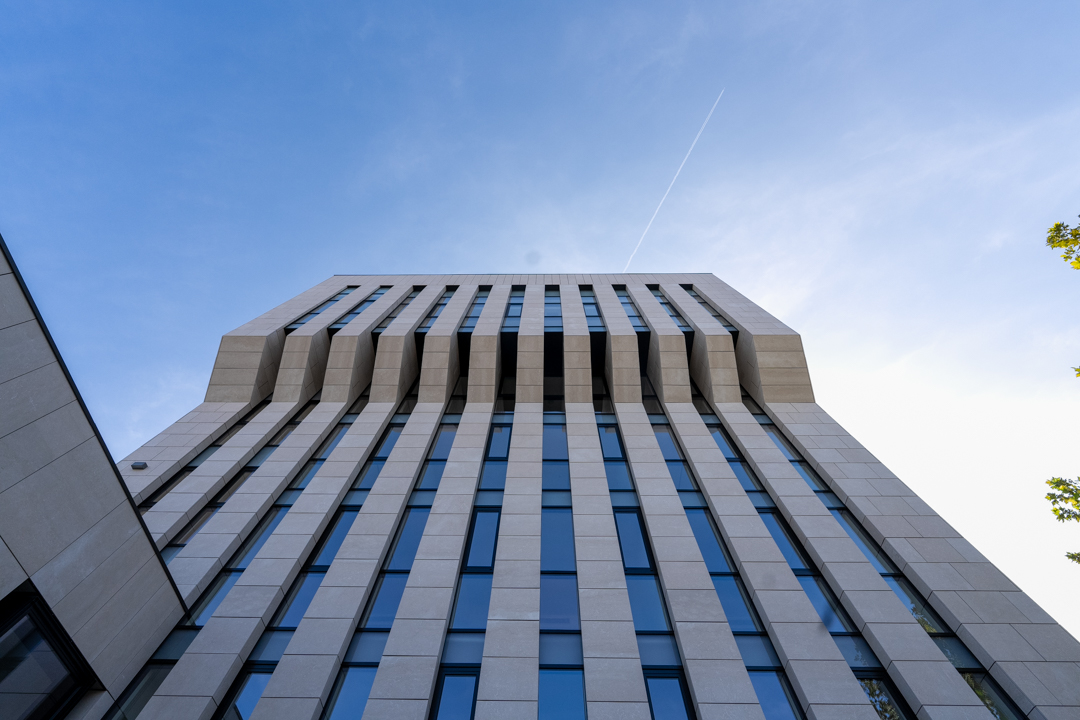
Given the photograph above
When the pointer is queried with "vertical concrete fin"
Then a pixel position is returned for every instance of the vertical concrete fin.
(712, 360)
(771, 362)
(667, 367)
(623, 372)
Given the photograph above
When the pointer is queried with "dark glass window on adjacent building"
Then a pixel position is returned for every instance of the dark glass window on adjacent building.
(299, 322)
(355, 312)
(42, 674)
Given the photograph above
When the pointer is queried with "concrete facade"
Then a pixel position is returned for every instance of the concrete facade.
(260, 620)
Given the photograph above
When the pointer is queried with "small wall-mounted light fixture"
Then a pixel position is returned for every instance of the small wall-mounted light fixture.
(138, 465)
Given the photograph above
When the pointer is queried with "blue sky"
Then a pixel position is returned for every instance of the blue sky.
(879, 176)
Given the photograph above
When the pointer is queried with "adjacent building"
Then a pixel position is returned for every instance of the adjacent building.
(493, 496)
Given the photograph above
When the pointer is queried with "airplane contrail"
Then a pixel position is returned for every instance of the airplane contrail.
(673, 180)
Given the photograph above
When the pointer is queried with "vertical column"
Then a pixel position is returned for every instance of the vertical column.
(712, 362)
(176, 509)
(667, 348)
(712, 662)
(614, 686)
(351, 358)
(923, 675)
(176, 445)
(622, 354)
(771, 362)
(509, 673)
(484, 360)
(306, 672)
(577, 363)
(203, 674)
(205, 554)
(825, 685)
(410, 662)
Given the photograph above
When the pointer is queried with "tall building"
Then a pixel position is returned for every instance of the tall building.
(500, 496)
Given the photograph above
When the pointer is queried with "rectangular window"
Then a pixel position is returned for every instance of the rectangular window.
(512, 319)
(471, 317)
(355, 312)
(42, 673)
(559, 602)
(434, 313)
(557, 540)
(668, 697)
(593, 316)
(562, 695)
(473, 599)
(712, 311)
(635, 554)
(670, 309)
(552, 309)
(646, 605)
(417, 289)
(775, 695)
(455, 696)
(350, 694)
(408, 540)
(482, 539)
(631, 309)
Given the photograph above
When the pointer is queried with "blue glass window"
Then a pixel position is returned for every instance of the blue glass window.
(618, 475)
(708, 541)
(776, 698)
(740, 616)
(869, 548)
(248, 693)
(559, 602)
(645, 604)
(562, 695)
(456, 697)
(783, 540)
(555, 443)
(213, 596)
(258, 538)
(333, 541)
(667, 698)
(555, 475)
(383, 609)
(350, 694)
(610, 442)
(557, 540)
(499, 444)
(431, 475)
(473, 598)
(412, 529)
(493, 476)
(632, 541)
(485, 532)
(303, 590)
(443, 442)
(832, 615)
(665, 437)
